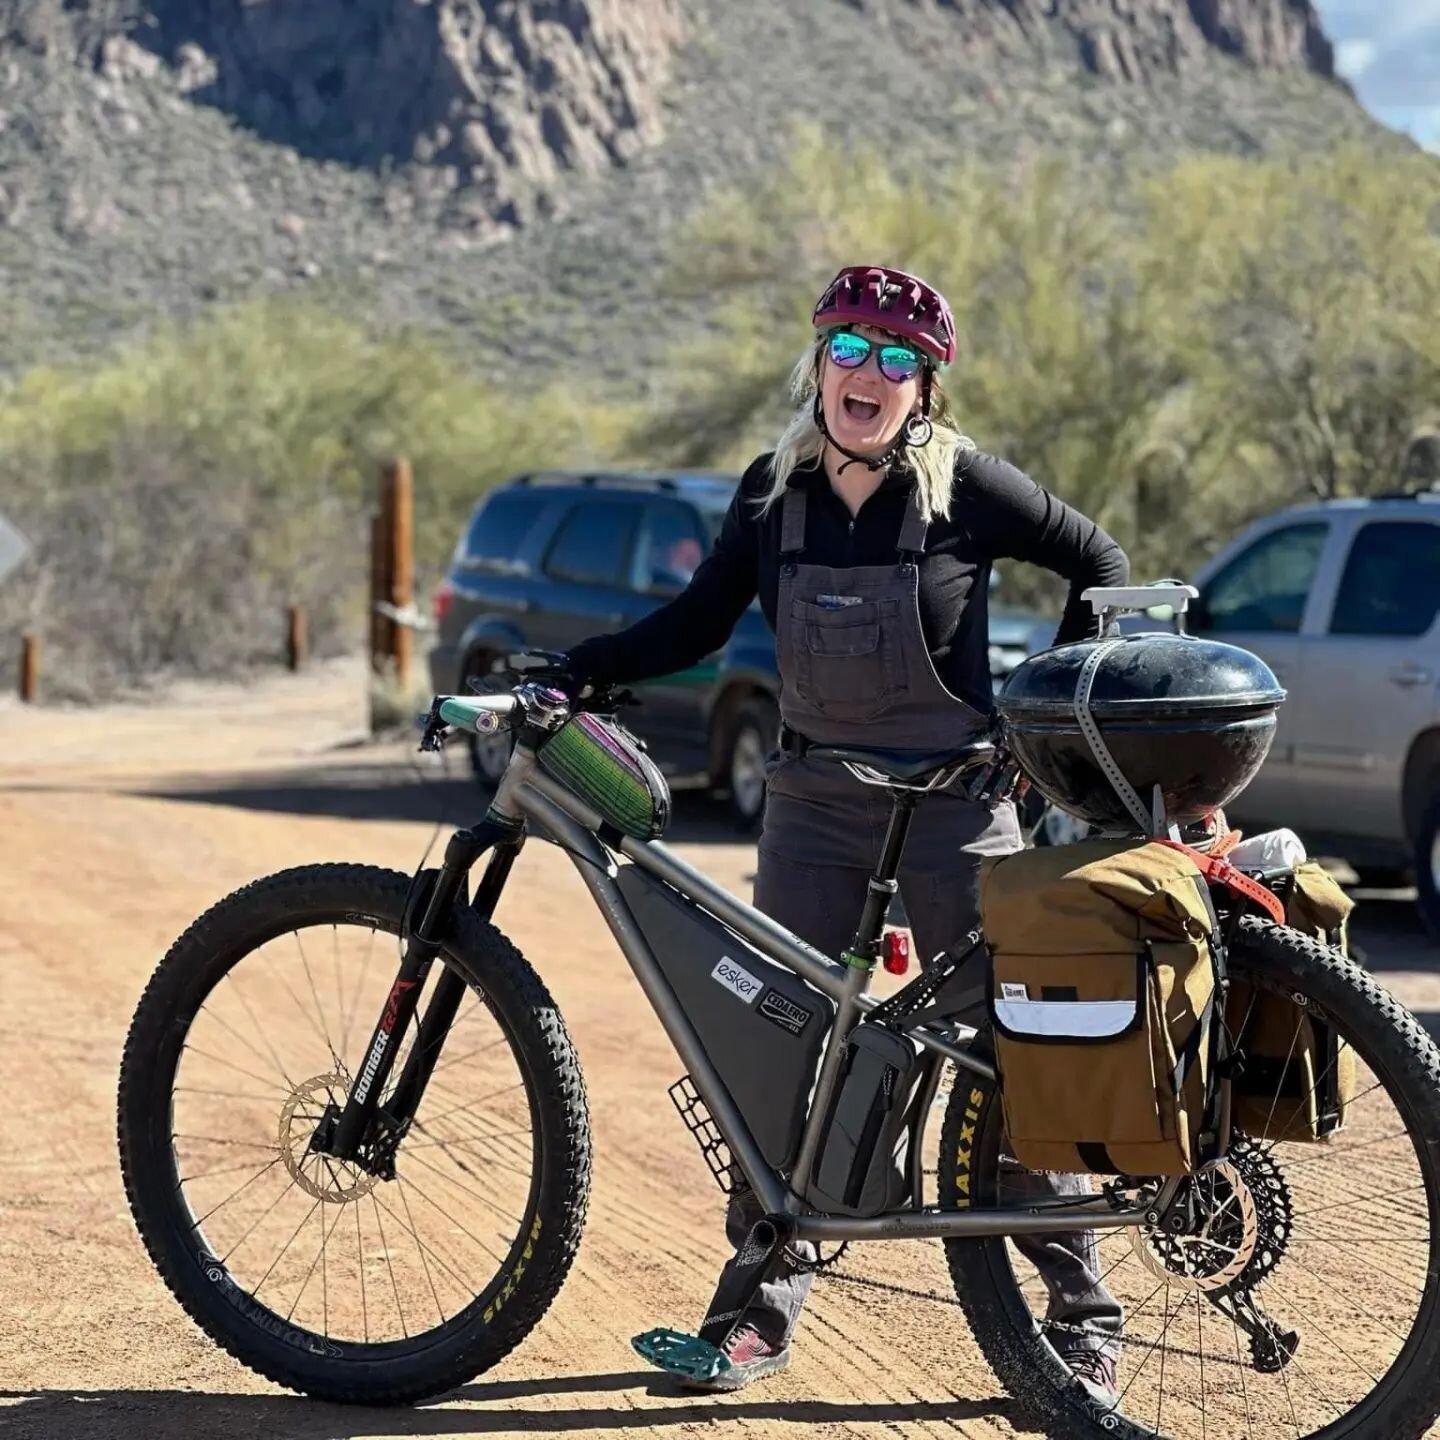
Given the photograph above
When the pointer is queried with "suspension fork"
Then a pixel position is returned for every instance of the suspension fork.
(465, 848)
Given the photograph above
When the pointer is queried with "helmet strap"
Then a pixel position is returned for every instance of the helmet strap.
(870, 462)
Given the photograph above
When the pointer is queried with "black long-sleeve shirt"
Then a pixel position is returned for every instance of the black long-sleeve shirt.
(997, 513)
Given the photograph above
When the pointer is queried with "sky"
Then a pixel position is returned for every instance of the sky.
(1389, 50)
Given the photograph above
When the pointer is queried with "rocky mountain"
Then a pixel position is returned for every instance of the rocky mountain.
(491, 165)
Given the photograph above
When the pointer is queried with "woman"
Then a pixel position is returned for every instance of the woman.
(869, 535)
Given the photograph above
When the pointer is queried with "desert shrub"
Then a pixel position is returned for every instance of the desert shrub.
(183, 492)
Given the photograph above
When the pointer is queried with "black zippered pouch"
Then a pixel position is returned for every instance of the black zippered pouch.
(861, 1169)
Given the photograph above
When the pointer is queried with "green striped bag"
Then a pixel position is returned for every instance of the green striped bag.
(606, 766)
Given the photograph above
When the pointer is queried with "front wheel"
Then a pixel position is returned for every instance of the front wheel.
(332, 1278)
(1332, 1243)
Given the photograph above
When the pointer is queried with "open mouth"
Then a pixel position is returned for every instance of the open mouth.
(857, 407)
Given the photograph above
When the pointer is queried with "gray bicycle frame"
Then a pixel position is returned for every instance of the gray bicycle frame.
(527, 793)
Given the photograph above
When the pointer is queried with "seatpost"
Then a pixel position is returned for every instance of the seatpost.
(865, 947)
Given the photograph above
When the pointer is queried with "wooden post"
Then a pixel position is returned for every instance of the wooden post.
(401, 565)
(297, 639)
(29, 667)
(378, 590)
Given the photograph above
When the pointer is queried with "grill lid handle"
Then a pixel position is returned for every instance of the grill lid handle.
(1174, 593)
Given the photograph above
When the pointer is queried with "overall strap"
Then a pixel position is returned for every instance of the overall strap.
(792, 521)
(912, 528)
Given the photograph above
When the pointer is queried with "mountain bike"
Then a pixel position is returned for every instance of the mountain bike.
(354, 1134)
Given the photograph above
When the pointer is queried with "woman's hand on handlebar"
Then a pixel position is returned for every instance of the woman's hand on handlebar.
(554, 668)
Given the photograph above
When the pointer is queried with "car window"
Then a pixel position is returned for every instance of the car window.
(1391, 584)
(668, 551)
(593, 544)
(500, 527)
(1264, 589)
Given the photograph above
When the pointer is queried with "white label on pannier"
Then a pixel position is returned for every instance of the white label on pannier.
(737, 978)
(1014, 992)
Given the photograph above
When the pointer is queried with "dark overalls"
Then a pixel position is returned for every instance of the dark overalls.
(855, 670)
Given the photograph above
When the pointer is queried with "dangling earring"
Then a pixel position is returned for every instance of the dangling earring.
(918, 431)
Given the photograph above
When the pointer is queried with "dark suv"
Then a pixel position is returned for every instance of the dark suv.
(549, 559)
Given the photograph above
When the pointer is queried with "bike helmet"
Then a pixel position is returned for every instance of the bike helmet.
(890, 300)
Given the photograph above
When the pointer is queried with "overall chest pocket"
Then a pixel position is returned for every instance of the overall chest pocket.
(848, 661)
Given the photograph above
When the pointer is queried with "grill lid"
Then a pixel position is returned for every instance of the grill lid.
(1159, 677)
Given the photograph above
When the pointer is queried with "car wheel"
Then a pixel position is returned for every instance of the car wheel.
(1381, 877)
(1059, 827)
(752, 739)
(489, 754)
(1427, 865)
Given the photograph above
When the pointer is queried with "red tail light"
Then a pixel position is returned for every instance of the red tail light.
(444, 594)
(897, 952)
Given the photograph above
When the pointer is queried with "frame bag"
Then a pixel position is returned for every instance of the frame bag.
(1296, 1077)
(761, 1025)
(1105, 984)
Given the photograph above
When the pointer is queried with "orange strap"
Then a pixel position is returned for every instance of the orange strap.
(1220, 871)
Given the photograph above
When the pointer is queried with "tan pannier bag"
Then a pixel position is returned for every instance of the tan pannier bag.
(1103, 998)
(1318, 906)
(1297, 1078)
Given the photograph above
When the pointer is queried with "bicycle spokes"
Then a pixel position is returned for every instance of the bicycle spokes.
(1288, 1294)
(347, 1248)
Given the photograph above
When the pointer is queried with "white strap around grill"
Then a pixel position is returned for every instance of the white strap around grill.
(1091, 731)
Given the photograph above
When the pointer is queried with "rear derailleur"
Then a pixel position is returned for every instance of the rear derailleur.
(1221, 1233)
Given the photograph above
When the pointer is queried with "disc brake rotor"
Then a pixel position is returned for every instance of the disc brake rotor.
(323, 1178)
(1218, 1252)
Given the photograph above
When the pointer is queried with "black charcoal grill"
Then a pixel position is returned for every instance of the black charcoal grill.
(1142, 732)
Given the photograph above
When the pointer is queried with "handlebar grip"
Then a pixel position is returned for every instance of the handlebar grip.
(465, 712)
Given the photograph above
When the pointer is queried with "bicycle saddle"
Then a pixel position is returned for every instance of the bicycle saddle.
(906, 767)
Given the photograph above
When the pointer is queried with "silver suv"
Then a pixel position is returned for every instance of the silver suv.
(1342, 600)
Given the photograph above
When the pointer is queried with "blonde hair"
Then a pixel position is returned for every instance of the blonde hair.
(933, 464)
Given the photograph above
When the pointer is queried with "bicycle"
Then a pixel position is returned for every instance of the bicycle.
(491, 1144)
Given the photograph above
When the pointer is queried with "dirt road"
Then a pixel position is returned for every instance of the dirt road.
(117, 827)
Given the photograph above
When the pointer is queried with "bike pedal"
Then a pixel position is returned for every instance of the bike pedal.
(680, 1354)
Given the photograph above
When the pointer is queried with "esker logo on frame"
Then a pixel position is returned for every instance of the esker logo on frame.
(736, 977)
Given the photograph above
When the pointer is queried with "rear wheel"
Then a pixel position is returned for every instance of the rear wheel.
(1335, 1242)
(321, 1274)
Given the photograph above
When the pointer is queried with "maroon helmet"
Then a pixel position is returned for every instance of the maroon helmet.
(889, 300)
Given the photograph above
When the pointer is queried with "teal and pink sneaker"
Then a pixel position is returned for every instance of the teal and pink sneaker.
(751, 1358)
